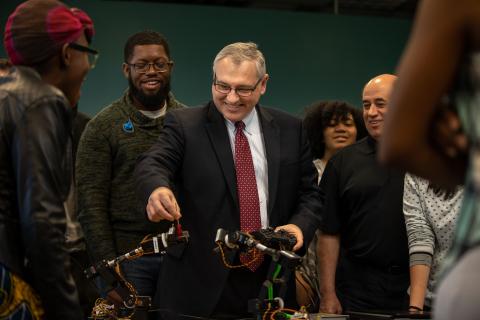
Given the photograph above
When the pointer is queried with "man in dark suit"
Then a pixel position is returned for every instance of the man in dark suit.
(191, 173)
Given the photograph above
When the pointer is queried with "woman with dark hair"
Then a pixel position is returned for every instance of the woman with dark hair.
(330, 126)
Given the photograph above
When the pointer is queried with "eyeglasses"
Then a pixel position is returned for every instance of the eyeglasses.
(159, 66)
(92, 53)
(241, 92)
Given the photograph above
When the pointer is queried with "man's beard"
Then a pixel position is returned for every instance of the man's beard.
(150, 101)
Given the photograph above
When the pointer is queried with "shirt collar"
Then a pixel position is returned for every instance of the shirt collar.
(155, 113)
(250, 121)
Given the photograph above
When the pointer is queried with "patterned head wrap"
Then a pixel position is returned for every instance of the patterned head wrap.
(37, 29)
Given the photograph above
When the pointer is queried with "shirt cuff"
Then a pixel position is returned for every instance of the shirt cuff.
(420, 258)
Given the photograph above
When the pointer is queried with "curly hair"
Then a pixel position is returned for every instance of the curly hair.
(319, 115)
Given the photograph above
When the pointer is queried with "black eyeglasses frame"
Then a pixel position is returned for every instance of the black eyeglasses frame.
(148, 65)
(250, 90)
(94, 53)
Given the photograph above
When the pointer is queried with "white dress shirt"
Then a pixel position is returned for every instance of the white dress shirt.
(254, 135)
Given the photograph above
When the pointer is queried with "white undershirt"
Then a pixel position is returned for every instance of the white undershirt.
(254, 136)
(156, 113)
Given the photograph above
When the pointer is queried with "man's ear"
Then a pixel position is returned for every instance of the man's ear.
(263, 84)
(125, 69)
(65, 56)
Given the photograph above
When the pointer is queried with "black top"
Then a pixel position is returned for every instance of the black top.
(363, 203)
(35, 171)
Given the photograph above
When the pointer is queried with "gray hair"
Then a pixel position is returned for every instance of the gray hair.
(239, 52)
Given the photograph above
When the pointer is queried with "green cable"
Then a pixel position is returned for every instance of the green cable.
(286, 315)
(277, 271)
(270, 286)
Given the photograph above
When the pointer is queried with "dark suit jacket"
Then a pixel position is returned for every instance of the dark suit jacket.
(194, 158)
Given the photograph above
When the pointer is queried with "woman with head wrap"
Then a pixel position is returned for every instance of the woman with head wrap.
(47, 43)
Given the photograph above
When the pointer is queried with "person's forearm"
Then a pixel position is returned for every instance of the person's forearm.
(328, 250)
(98, 233)
(418, 284)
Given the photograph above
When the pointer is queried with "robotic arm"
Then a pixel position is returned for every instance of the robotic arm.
(109, 271)
(278, 245)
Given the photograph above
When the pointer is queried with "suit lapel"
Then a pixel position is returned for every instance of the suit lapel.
(218, 134)
(271, 137)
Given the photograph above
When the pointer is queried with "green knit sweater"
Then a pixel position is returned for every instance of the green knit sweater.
(112, 218)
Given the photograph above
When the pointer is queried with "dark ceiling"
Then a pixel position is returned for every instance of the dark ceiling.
(385, 8)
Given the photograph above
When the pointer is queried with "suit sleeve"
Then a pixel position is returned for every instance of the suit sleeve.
(40, 153)
(158, 166)
(310, 199)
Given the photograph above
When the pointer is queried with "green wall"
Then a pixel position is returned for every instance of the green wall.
(309, 56)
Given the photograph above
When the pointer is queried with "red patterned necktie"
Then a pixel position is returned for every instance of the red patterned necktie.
(247, 193)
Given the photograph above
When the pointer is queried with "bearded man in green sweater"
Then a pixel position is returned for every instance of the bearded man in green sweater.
(112, 219)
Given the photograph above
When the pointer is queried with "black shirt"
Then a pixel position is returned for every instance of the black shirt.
(363, 203)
